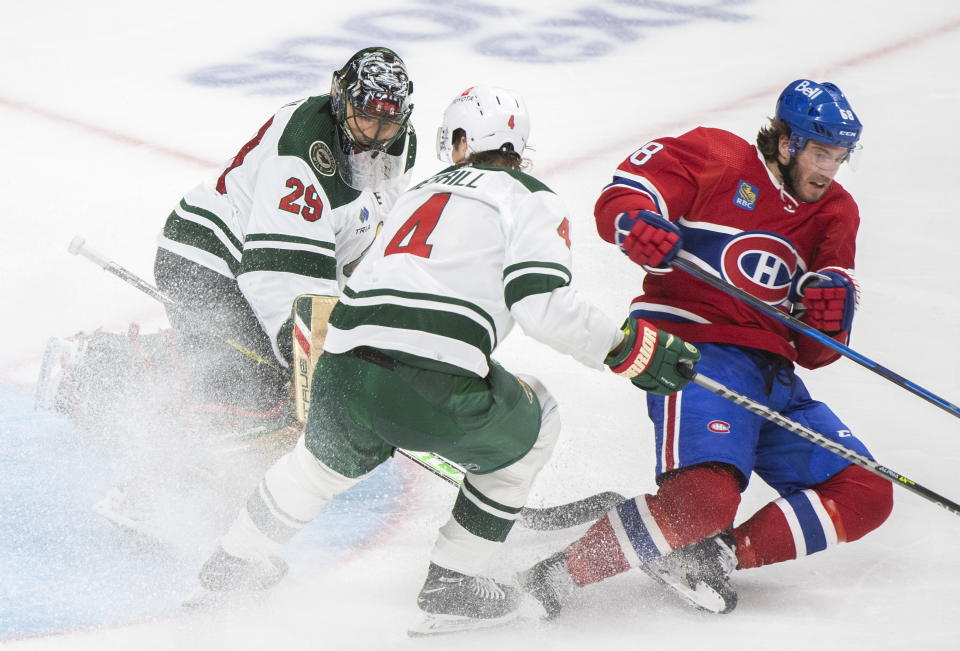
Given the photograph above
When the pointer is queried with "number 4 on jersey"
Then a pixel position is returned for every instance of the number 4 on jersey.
(412, 236)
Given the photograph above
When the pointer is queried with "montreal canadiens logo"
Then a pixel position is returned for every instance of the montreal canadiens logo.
(719, 427)
(761, 263)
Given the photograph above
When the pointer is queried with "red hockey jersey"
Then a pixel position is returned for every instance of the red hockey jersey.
(739, 224)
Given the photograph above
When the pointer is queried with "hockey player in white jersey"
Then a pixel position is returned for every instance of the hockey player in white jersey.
(290, 213)
(407, 364)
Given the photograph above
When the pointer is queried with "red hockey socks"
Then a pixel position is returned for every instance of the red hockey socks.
(688, 507)
(844, 508)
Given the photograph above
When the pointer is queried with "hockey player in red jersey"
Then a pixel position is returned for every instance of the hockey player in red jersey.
(771, 220)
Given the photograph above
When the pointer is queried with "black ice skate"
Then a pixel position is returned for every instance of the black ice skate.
(455, 602)
(549, 582)
(224, 573)
(700, 573)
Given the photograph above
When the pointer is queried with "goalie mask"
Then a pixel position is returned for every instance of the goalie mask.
(491, 117)
(370, 101)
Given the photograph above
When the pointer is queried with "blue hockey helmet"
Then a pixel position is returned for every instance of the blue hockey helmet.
(818, 112)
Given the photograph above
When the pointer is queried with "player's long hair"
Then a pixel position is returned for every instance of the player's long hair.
(503, 157)
(768, 139)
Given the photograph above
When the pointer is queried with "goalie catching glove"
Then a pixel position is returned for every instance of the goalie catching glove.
(648, 357)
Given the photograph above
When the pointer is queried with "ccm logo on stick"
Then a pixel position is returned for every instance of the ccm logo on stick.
(719, 427)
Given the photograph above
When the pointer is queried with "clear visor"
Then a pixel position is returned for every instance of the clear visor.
(829, 158)
(830, 162)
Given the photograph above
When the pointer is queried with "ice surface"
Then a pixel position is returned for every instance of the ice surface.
(112, 110)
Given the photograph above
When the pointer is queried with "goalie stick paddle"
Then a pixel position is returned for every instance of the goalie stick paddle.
(803, 328)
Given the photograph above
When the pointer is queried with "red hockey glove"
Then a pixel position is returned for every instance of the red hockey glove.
(647, 238)
(830, 297)
(648, 357)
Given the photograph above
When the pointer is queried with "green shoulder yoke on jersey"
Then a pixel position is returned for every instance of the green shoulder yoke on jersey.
(311, 135)
(530, 183)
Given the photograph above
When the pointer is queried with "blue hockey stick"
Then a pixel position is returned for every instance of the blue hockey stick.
(813, 333)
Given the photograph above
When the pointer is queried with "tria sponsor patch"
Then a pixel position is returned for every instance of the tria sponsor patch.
(719, 427)
(746, 195)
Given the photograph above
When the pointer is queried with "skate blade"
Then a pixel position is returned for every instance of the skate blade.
(702, 597)
(143, 532)
(201, 600)
(433, 624)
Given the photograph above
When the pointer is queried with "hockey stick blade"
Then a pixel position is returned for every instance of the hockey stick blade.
(563, 516)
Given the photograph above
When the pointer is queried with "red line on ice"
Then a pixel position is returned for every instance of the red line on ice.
(764, 93)
(108, 134)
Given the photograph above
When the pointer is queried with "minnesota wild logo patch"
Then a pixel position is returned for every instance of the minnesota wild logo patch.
(322, 158)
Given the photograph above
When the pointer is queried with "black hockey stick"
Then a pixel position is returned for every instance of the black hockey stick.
(591, 508)
(816, 438)
(562, 516)
(803, 328)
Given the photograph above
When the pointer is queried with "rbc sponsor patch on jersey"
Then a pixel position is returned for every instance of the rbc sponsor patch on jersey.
(746, 196)
(719, 426)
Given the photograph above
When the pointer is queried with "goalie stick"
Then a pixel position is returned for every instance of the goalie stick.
(801, 327)
(439, 466)
(306, 342)
(78, 246)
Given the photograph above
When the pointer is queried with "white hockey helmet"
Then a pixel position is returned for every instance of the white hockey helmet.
(491, 118)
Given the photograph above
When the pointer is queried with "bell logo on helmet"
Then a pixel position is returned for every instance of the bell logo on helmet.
(808, 90)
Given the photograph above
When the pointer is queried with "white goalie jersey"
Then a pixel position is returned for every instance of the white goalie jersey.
(462, 256)
(279, 219)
